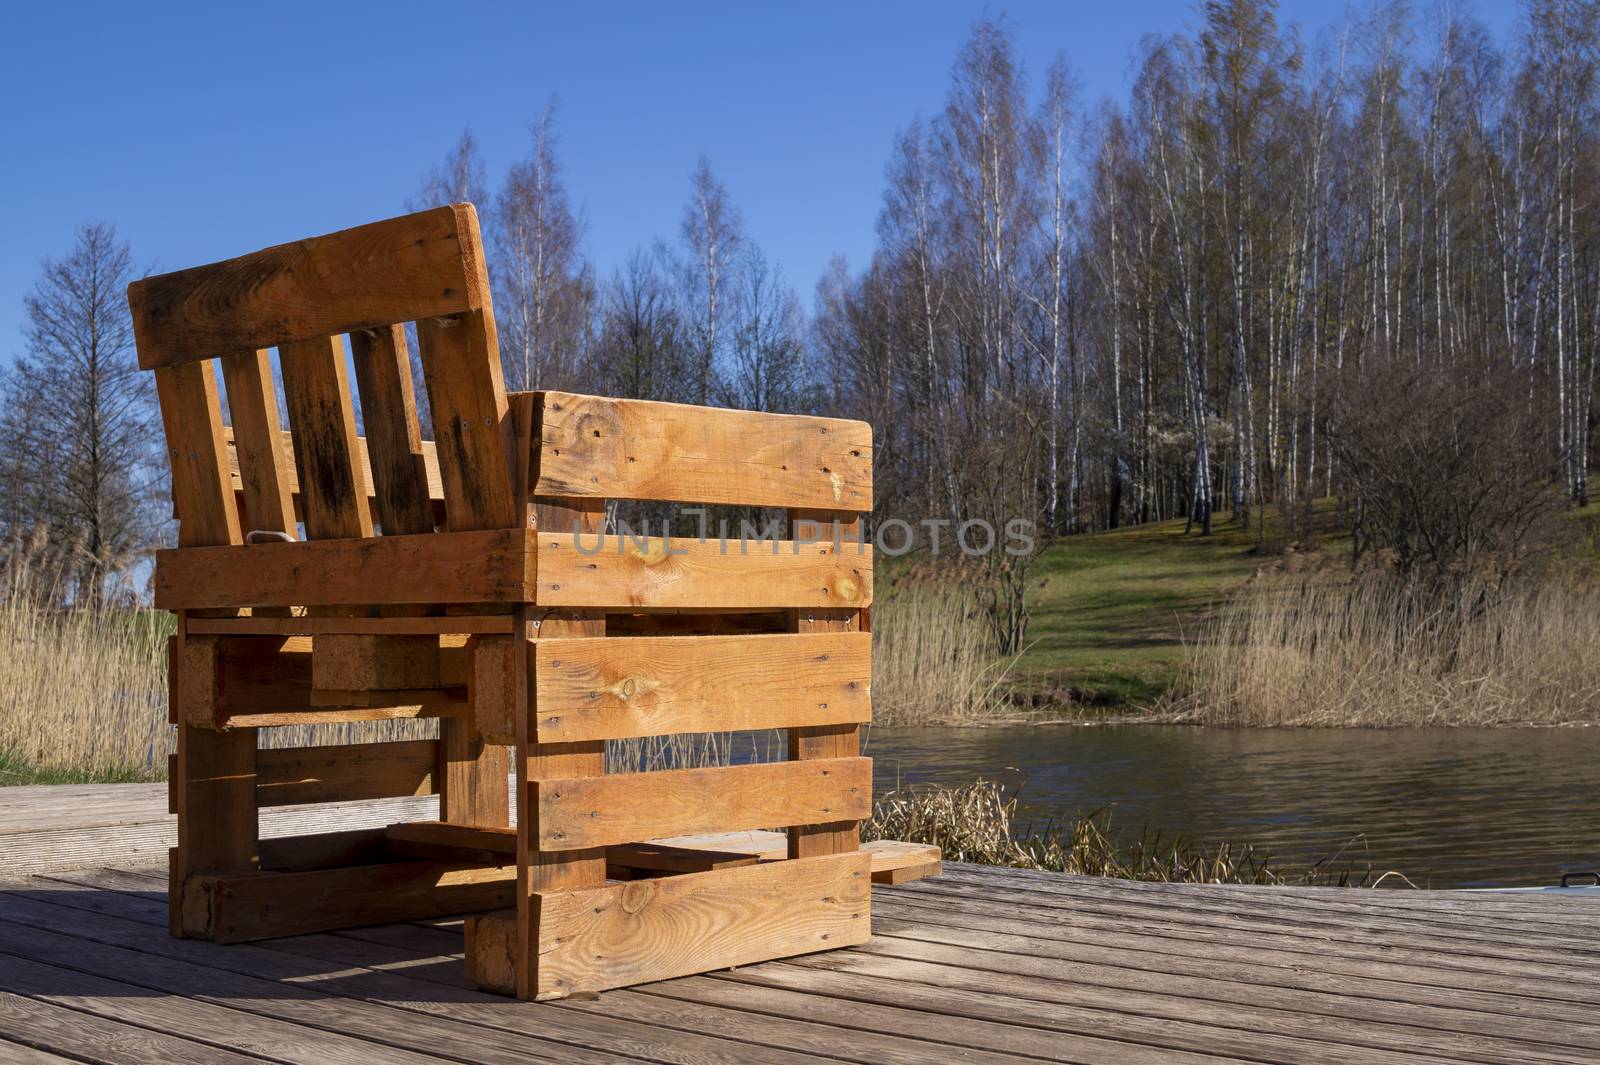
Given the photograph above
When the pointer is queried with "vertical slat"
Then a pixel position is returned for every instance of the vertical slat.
(201, 488)
(258, 440)
(394, 440)
(827, 741)
(562, 870)
(316, 389)
(214, 794)
(461, 362)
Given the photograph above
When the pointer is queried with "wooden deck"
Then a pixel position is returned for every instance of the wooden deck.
(980, 965)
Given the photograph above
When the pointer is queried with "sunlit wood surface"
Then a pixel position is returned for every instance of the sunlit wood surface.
(979, 965)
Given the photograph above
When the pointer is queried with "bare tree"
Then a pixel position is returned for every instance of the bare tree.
(79, 418)
(458, 178)
(544, 291)
(712, 233)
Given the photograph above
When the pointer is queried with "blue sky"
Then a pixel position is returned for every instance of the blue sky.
(207, 130)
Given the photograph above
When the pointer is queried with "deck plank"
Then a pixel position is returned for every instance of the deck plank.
(982, 965)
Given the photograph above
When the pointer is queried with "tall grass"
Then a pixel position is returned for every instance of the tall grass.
(83, 692)
(976, 823)
(934, 660)
(1381, 651)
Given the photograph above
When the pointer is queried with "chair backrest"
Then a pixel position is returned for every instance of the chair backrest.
(368, 282)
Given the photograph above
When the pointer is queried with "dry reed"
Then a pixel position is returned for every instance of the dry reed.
(934, 660)
(976, 823)
(1382, 652)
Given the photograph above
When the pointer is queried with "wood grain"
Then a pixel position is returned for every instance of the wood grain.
(473, 567)
(258, 447)
(316, 390)
(191, 412)
(648, 930)
(637, 449)
(655, 686)
(472, 424)
(398, 270)
(343, 772)
(397, 463)
(687, 574)
(631, 807)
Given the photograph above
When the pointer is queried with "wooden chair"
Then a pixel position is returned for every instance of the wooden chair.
(323, 576)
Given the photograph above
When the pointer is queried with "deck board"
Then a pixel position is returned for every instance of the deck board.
(982, 965)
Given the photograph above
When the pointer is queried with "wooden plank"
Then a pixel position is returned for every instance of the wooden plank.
(613, 573)
(259, 447)
(316, 389)
(492, 684)
(627, 861)
(636, 449)
(195, 685)
(897, 862)
(629, 807)
(398, 270)
(235, 909)
(655, 686)
(343, 772)
(474, 786)
(454, 624)
(648, 930)
(822, 739)
(430, 465)
(472, 422)
(473, 567)
(191, 412)
(374, 662)
(398, 465)
(441, 841)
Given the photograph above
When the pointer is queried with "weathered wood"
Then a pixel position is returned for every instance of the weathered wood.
(613, 573)
(316, 390)
(401, 269)
(259, 446)
(474, 787)
(342, 772)
(636, 449)
(191, 412)
(655, 686)
(430, 465)
(472, 423)
(442, 841)
(397, 462)
(235, 909)
(492, 685)
(648, 930)
(323, 850)
(897, 862)
(373, 662)
(473, 567)
(629, 807)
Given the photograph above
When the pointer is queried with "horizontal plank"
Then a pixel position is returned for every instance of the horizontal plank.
(638, 449)
(893, 861)
(463, 625)
(323, 850)
(248, 906)
(647, 930)
(463, 567)
(342, 772)
(343, 715)
(440, 841)
(578, 570)
(604, 688)
(632, 807)
(291, 472)
(422, 265)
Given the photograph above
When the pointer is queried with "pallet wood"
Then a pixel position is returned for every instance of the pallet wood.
(820, 738)
(240, 908)
(490, 566)
(260, 450)
(655, 686)
(191, 413)
(635, 932)
(375, 662)
(343, 772)
(455, 624)
(637, 449)
(430, 467)
(461, 363)
(401, 269)
(490, 846)
(686, 574)
(396, 460)
(625, 807)
(316, 389)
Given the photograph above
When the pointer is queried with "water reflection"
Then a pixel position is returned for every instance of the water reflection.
(1447, 807)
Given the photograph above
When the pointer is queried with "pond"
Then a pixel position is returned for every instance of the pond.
(1446, 807)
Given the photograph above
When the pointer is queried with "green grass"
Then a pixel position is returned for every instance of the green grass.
(1110, 611)
(15, 770)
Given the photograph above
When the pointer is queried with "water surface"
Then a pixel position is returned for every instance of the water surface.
(1446, 807)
